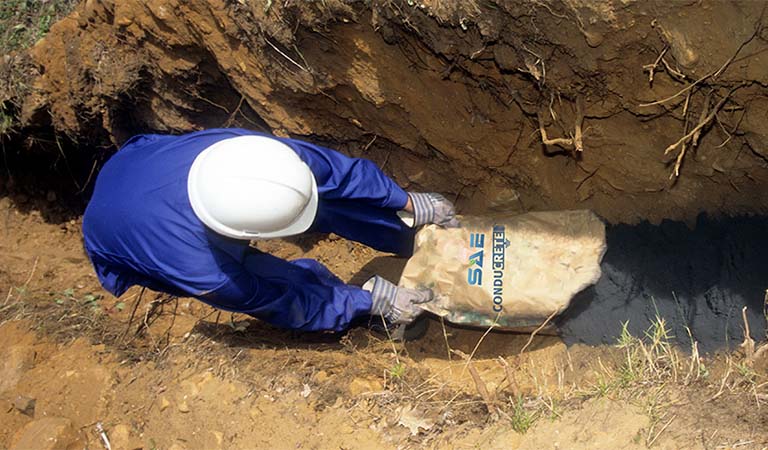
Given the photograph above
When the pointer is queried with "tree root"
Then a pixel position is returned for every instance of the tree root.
(651, 68)
(573, 143)
(705, 119)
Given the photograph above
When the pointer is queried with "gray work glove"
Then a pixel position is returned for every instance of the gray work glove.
(433, 208)
(397, 305)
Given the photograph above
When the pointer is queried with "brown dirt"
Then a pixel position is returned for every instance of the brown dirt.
(198, 380)
(445, 97)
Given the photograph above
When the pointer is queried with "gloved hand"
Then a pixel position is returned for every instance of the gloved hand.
(433, 208)
(397, 305)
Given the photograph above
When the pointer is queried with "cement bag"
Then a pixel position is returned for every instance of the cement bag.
(514, 271)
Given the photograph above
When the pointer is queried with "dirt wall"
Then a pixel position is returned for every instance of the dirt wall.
(445, 97)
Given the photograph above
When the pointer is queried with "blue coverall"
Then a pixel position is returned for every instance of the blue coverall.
(139, 229)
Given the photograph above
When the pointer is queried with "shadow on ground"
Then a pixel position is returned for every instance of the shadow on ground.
(697, 280)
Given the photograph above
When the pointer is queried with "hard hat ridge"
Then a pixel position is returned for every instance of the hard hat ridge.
(252, 187)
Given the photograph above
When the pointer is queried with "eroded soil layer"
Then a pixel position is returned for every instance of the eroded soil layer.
(454, 97)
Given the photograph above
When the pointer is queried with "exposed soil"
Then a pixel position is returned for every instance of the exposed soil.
(196, 379)
(445, 96)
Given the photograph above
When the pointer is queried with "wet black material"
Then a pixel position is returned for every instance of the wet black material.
(700, 278)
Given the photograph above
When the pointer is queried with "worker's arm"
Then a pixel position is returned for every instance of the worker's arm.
(300, 295)
(341, 177)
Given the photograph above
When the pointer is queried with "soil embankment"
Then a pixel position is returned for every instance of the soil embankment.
(447, 96)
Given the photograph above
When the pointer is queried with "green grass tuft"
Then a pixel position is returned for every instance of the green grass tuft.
(24, 22)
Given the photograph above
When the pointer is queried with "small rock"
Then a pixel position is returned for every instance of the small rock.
(123, 21)
(321, 376)
(25, 405)
(14, 361)
(219, 436)
(360, 386)
(164, 403)
(184, 407)
(594, 38)
(120, 437)
(51, 433)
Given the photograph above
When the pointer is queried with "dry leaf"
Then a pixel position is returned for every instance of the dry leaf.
(413, 420)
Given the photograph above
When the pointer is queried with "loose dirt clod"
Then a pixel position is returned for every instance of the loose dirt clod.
(25, 405)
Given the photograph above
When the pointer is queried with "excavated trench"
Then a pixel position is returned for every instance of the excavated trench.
(640, 111)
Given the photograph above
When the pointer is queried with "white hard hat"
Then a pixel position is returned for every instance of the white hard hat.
(252, 187)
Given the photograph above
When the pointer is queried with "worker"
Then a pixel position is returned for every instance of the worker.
(176, 214)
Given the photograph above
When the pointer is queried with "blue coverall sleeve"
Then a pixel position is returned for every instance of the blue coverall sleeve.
(301, 295)
(342, 177)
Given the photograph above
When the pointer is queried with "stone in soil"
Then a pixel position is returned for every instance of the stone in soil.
(25, 405)
(50, 433)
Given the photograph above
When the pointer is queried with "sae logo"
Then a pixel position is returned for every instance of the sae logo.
(475, 270)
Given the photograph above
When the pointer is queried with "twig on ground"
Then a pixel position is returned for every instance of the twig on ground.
(8, 297)
(680, 76)
(651, 68)
(482, 389)
(31, 273)
(282, 53)
(509, 375)
(149, 316)
(661, 431)
(391, 340)
(133, 313)
(445, 337)
(368, 145)
(480, 341)
(541, 327)
(748, 345)
(723, 382)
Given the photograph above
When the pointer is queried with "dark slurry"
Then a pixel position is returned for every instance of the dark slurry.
(699, 278)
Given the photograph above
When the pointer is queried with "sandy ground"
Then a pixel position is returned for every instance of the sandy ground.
(162, 373)
(197, 379)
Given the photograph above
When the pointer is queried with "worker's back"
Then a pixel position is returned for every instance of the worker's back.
(139, 227)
